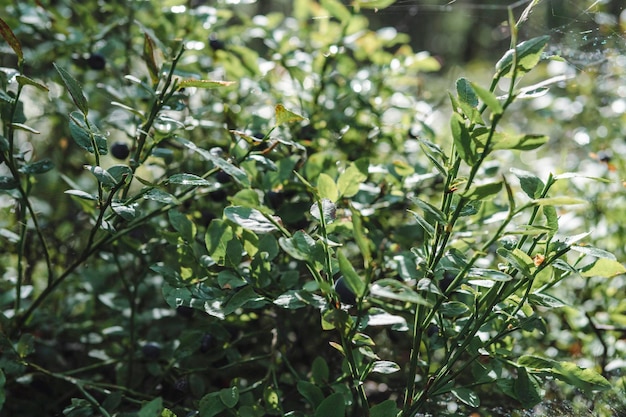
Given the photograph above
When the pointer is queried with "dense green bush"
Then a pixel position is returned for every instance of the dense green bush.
(207, 213)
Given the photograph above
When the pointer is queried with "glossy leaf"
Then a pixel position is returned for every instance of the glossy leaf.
(481, 192)
(250, 219)
(39, 167)
(188, 179)
(528, 55)
(74, 89)
(204, 83)
(311, 392)
(229, 396)
(385, 367)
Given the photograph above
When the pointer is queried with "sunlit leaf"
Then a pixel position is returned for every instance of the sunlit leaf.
(286, 116)
(603, 267)
(204, 83)
(250, 219)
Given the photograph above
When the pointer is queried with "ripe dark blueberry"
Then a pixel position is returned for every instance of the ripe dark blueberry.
(181, 384)
(151, 350)
(218, 195)
(447, 279)
(207, 342)
(346, 296)
(96, 61)
(605, 156)
(120, 150)
(432, 330)
(216, 44)
(185, 311)
(222, 177)
(276, 198)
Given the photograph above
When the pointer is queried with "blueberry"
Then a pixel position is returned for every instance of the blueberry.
(185, 311)
(432, 330)
(120, 150)
(96, 61)
(276, 198)
(216, 44)
(151, 350)
(207, 342)
(605, 156)
(447, 279)
(346, 296)
(222, 177)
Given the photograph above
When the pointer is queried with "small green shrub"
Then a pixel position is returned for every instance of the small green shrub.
(258, 220)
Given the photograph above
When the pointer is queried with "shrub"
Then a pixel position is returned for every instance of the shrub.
(265, 237)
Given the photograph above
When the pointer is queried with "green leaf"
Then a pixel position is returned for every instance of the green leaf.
(216, 239)
(152, 408)
(188, 179)
(386, 408)
(327, 188)
(204, 83)
(211, 405)
(530, 183)
(518, 260)
(360, 236)
(101, 175)
(526, 389)
(487, 97)
(241, 298)
(149, 55)
(372, 4)
(22, 126)
(462, 139)
(586, 379)
(25, 345)
(431, 210)
(8, 183)
(229, 396)
(81, 194)
(355, 283)
(467, 396)
(82, 135)
(3, 381)
(385, 367)
(237, 174)
(465, 92)
(378, 317)
(155, 194)
(520, 142)
(603, 267)
(396, 290)
(285, 116)
(249, 219)
(528, 55)
(12, 40)
(329, 211)
(336, 9)
(74, 89)
(182, 225)
(481, 192)
(332, 406)
(319, 371)
(23, 80)
(428, 228)
(311, 392)
(593, 251)
(38, 167)
(559, 201)
(349, 181)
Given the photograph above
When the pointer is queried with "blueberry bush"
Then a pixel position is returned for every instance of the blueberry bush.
(207, 212)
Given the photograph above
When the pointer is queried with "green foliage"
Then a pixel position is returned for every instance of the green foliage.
(274, 242)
